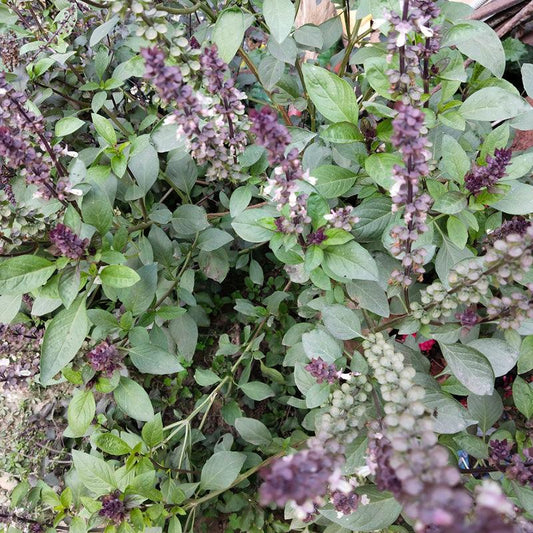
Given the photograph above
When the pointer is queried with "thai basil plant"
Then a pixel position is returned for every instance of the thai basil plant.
(271, 278)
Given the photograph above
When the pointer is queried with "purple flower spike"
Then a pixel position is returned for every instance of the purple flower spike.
(322, 371)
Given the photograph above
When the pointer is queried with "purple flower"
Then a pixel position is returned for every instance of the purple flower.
(113, 508)
(513, 465)
(488, 175)
(322, 371)
(316, 237)
(345, 503)
(301, 477)
(270, 134)
(342, 217)
(518, 225)
(468, 318)
(67, 242)
(104, 358)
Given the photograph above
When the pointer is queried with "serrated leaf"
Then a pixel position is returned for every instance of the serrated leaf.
(95, 473)
(333, 181)
(348, 262)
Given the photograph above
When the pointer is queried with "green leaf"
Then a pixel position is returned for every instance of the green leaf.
(370, 296)
(102, 31)
(342, 133)
(341, 322)
(253, 431)
(279, 16)
(474, 446)
(212, 239)
(525, 361)
(97, 210)
(256, 390)
(479, 42)
(23, 274)
(502, 356)
(485, 409)
(527, 78)
(119, 276)
(318, 343)
(133, 400)
(381, 512)
(221, 470)
(457, 232)
(189, 219)
(94, 473)
(138, 297)
(67, 125)
(228, 33)
(455, 163)
(184, 331)
(239, 201)
(518, 201)
(349, 261)
(69, 285)
(332, 181)
(9, 307)
(493, 103)
(379, 168)
(450, 203)
(63, 338)
(470, 367)
(448, 256)
(523, 396)
(152, 431)
(374, 217)
(150, 359)
(332, 96)
(112, 444)
(205, 377)
(81, 411)
(104, 128)
(144, 166)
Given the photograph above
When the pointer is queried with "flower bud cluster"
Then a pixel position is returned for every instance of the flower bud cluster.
(104, 358)
(342, 217)
(113, 508)
(212, 124)
(19, 353)
(486, 176)
(512, 464)
(305, 478)
(506, 261)
(67, 243)
(417, 19)
(409, 138)
(409, 462)
(18, 126)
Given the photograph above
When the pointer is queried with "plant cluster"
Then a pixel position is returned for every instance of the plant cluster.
(283, 274)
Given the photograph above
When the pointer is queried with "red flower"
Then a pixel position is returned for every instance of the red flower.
(426, 345)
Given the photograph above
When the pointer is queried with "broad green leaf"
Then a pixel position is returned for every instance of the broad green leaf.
(253, 431)
(523, 396)
(485, 409)
(341, 322)
(152, 431)
(349, 261)
(212, 239)
(527, 78)
(112, 444)
(332, 181)
(189, 219)
(221, 470)
(518, 201)
(448, 256)
(450, 416)
(95, 473)
(9, 307)
(69, 285)
(470, 367)
(379, 168)
(81, 411)
(279, 16)
(239, 201)
(455, 163)
(67, 125)
(341, 133)
(133, 400)
(493, 103)
(144, 166)
(23, 274)
(479, 42)
(525, 361)
(502, 356)
(332, 96)
(138, 297)
(184, 331)
(381, 512)
(256, 390)
(63, 338)
(205, 377)
(451, 203)
(150, 359)
(474, 446)
(119, 276)
(101, 31)
(97, 210)
(318, 343)
(104, 128)
(370, 296)
(374, 217)
(228, 33)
